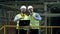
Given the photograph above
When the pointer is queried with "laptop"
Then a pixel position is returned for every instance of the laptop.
(24, 22)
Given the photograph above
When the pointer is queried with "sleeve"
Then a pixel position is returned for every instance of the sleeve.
(16, 18)
(38, 17)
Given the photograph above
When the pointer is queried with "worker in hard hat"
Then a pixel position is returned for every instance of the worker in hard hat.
(34, 20)
(21, 16)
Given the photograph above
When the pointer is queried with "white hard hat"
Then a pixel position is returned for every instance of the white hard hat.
(23, 7)
(30, 7)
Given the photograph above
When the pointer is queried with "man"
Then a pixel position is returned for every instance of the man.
(34, 20)
(21, 16)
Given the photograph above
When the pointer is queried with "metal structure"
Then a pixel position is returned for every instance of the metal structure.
(14, 26)
(9, 9)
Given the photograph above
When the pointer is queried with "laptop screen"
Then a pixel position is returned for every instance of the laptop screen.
(24, 22)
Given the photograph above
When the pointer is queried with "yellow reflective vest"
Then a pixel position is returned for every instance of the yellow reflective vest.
(24, 16)
(33, 21)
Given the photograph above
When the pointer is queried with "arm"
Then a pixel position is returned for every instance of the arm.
(38, 17)
(16, 18)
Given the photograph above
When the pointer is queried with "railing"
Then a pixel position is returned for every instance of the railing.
(9, 26)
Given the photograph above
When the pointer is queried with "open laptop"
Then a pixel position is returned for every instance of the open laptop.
(24, 22)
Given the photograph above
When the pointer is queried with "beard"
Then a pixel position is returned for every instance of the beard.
(23, 12)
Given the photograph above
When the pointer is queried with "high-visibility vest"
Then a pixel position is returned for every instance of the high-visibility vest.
(23, 15)
(20, 16)
(33, 21)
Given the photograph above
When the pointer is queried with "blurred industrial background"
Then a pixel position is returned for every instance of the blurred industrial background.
(48, 9)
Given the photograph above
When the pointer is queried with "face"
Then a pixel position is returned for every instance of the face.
(23, 10)
(30, 10)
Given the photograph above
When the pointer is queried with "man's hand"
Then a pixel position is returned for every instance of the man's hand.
(22, 17)
(34, 17)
